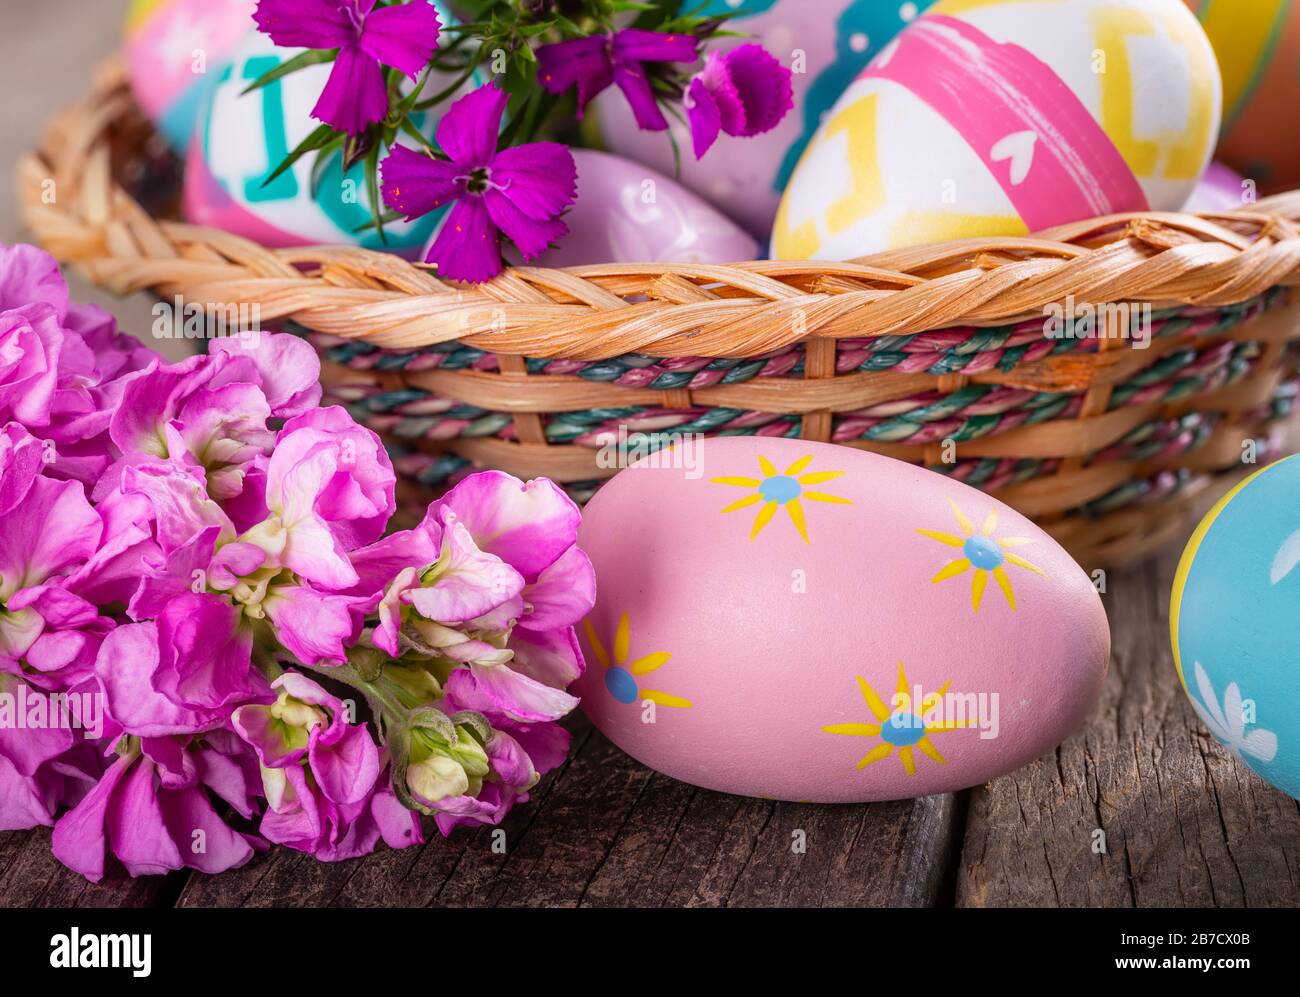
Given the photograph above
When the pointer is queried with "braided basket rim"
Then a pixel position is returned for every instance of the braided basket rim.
(734, 311)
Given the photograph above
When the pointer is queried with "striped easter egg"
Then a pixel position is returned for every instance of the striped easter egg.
(1002, 117)
(1258, 45)
(174, 51)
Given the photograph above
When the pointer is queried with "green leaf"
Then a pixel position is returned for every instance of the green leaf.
(311, 57)
(317, 140)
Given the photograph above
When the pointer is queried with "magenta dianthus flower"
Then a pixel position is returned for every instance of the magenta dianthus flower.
(403, 36)
(592, 64)
(520, 191)
(743, 92)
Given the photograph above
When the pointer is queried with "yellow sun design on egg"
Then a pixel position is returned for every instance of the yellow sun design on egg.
(786, 488)
(621, 678)
(983, 552)
(900, 729)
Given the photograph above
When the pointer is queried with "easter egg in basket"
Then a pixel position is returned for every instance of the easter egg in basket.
(803, 621)
(1002, 117)
(1235, 623)
(1221, 188)
(825, 44)
(174, 51)
(626, 212)
(242, 139)
(1258, 45)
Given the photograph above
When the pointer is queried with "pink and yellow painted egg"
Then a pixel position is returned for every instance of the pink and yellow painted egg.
(174, 50)
(1258, 45)
(803, 621)
(1002, 117)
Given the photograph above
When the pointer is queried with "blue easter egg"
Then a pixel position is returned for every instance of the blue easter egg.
(1235, 622)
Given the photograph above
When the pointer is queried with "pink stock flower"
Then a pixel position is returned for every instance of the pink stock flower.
(232, 538)
(306, 723)
(150, 805)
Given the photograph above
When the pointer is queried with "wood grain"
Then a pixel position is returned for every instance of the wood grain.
(605, 830)
(30, 876)
(1186, 825)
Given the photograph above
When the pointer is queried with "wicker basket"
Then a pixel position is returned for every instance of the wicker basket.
(935, 355)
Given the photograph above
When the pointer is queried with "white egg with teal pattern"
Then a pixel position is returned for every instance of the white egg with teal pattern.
(1235, 623)
(243, 137)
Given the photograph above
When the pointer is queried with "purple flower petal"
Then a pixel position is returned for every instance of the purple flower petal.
(528, 234)
(540, 179)
(355, 96)
(763, 86)
(488, 688)
(468, 132)
(51, 531)
(80, 836)
(289, 369)
(125, 666)
(414, 184)
(136, 828)
(314, 626)
(22, 459)
(29, 275)
(636, 45)
(704, 116)
(552, 657)
(404, 36)
(305, 23)
(468, 245)
(563, 594)
(632, 80)
(188, 811)
(205, 654)
(470, 583)
(527, 525)
(581, 62)
(347, 769)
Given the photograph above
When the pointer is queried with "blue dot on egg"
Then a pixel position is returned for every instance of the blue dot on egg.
(984, 553)
(621, 684)
(902, 729)
(780, 489)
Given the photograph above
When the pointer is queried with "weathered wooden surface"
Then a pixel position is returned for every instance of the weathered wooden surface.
(1185, 824)
(604, 830)
(30, 876)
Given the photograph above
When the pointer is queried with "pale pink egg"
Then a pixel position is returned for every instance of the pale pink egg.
(803, 621)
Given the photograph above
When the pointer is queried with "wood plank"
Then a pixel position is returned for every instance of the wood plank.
(30, 876)
(1186, 825)
(605, 830)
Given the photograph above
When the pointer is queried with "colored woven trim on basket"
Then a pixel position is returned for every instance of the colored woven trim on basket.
(950, 351)
(1160, 440)
(969, 413)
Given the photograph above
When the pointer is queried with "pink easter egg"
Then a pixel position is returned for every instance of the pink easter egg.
(174, 49)
(1221, 188)
(627, 213)
(801, 621)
